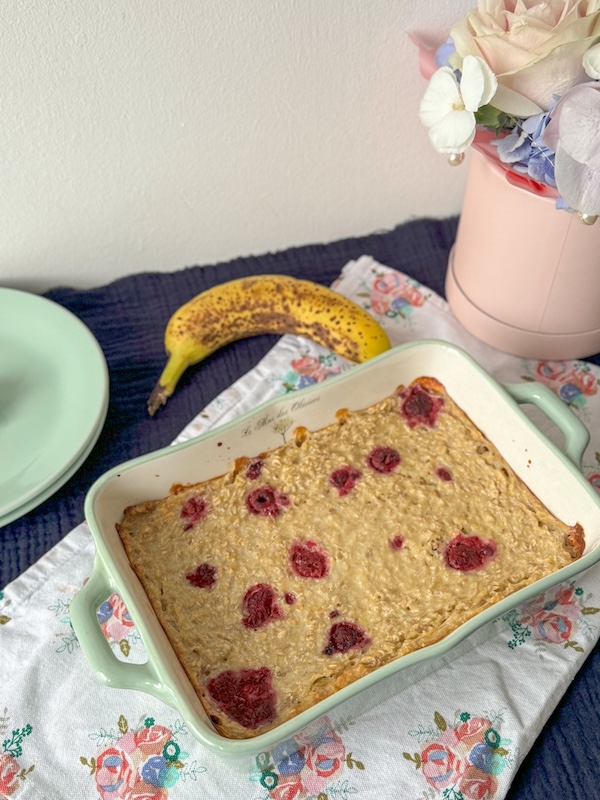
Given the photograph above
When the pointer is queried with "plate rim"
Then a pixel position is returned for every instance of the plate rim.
(45, 488)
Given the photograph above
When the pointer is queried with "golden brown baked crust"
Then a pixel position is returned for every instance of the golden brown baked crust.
(306, 568)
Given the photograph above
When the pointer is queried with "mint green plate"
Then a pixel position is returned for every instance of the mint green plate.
(53, 399)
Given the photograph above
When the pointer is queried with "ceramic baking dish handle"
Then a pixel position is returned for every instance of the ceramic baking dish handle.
(576, 434)
(108, 668)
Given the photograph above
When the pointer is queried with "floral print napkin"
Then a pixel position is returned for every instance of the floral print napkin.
(63, 735)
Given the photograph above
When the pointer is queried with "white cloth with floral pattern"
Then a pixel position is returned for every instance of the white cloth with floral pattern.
(462, 724)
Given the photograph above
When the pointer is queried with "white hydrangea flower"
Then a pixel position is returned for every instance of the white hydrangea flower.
(448, 106)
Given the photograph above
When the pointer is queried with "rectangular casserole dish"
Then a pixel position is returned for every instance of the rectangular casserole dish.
(553, 475)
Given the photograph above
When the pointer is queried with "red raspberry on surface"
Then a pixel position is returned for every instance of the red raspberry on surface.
(290, 598)
(420, 407)
(383, 459)
(345, 479)
(267, 501)
(204, 576)
(308, 560)
(466, 553)
(444, 474)
(344, 636)
(193, 511)
(397, 542)
(254, 469)
(260, 607)
(247, 696)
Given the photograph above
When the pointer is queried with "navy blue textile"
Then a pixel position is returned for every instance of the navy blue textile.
(128, 318)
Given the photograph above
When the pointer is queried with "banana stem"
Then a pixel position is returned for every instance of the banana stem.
(174, 369)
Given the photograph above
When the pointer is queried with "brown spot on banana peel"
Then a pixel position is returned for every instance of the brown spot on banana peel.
(264, 304)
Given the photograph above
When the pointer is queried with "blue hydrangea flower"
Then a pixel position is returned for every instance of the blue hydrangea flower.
(287, 757)
(514, 149)
(525, 150)
(443, 53)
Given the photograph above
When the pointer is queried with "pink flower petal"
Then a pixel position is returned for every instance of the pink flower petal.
(578, 185)
(579, 125)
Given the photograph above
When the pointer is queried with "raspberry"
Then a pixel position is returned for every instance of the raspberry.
(266, 501)
(345, 479)
(203, 576)
(290, 598)
(260, 607)
(308, 560)
(254, 469)
(397, 542)
(444, 474)
(418, 406)
(466, 553)
(344, 636)
(247, 696)
(193, 511)
(383, 459)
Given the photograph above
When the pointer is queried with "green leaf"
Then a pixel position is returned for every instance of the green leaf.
(416, 759)
(493, 119)
(4, 619)
(590, 610)
(440, 721)
(359, 765)
(91, 764)
(124, 647)
(501, 751)
(123, 724)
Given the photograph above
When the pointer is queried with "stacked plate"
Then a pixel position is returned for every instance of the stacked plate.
(53, 399)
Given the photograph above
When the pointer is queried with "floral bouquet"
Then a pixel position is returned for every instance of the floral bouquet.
(520, 81)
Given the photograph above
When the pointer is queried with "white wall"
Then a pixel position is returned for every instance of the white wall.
(155, 134)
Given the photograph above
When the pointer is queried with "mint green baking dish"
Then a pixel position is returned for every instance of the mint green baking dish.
(553, 474)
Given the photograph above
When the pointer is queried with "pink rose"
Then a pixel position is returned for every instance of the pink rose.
(389, 288)
(326, 755)
(323, 759)
(116, 774)
(114, 618)
(441, 766)
(306, 365)
(564, 596)
(553, 370)
(473, 731)
(550, 627)
(145, 791)
(287, 788)
(127, 742)
(152, 740)
(534, 49)
(477, 785)
(9, 771)
(387, 283)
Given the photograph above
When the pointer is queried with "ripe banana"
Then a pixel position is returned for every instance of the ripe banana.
(264, 304)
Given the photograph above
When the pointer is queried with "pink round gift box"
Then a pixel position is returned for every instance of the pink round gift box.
(524, 276)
